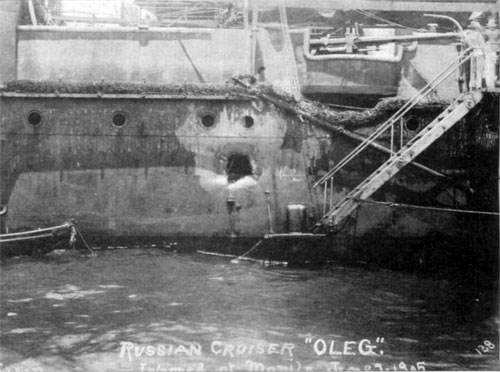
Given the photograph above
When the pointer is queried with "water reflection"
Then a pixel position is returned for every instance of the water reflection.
(101, 314)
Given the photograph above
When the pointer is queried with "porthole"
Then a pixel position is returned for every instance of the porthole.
(248, 122)
(35, 118)
(492, 128)
(208, 120)
(412, 124)
(119, 119)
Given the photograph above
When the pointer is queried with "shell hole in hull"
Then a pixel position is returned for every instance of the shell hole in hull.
(238, 166)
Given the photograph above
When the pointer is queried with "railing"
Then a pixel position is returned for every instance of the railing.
(389, 124)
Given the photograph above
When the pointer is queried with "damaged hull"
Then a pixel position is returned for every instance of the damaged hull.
(205, 165)
(162, 173)
(206, 159)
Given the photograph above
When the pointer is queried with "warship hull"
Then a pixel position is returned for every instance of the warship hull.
(167, 165)
(174, 152)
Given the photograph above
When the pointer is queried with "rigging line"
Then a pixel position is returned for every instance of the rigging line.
(402, 205)
(198, 73)
(237, 259)
(92, 252)
(344, 107)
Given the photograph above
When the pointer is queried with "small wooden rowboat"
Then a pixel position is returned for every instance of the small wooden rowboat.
(38, 241)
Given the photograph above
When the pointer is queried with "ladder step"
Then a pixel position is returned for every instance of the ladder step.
(453, 114)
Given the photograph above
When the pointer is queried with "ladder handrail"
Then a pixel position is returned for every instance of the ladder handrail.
(399, 114)
(403, 110)
(460, 106)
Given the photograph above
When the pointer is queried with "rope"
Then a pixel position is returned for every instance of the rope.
(402, 205)
(262, 262)
(246, 253)
(92, 252)
(344, 107)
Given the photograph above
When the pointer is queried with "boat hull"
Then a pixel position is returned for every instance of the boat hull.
(36, 242)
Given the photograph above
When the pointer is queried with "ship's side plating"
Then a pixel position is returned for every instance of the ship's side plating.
(150, 166)
(199, 163)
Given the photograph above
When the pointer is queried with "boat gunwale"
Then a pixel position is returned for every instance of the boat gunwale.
(37, 231)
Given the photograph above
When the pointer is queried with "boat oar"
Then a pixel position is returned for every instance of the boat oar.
(237, 259)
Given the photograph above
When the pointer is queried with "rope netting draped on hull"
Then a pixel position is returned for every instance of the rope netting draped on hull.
(350, 119)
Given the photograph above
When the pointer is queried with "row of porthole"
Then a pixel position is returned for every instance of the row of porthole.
(412, 124)
(208, 120)
(119, 119)
(35, 118)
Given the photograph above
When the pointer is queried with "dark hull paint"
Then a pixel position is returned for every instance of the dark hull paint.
(467, 256)
(164, 174)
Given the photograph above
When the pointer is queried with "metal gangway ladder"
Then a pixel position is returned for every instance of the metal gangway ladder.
(291, 64)
(406, 154)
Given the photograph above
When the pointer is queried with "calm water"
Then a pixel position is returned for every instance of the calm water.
(133, 310)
